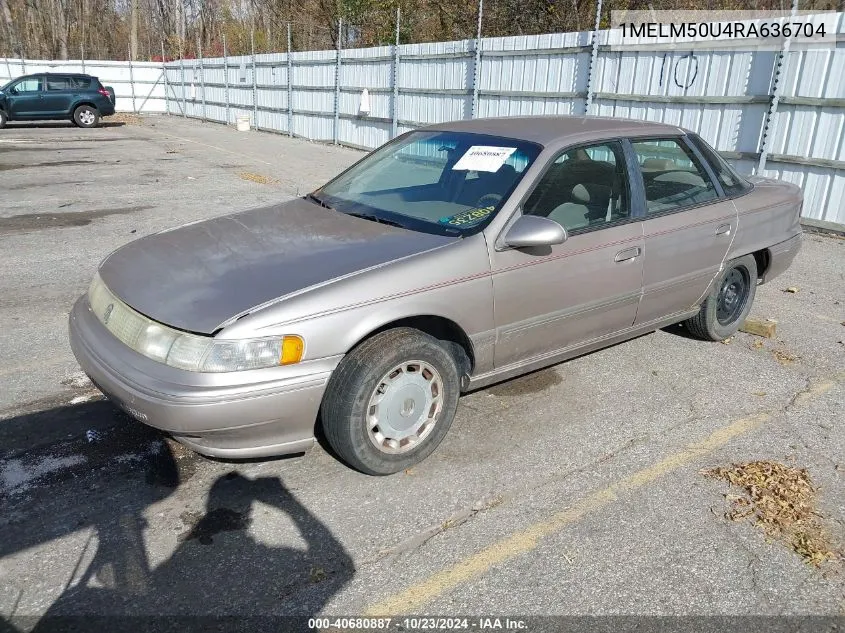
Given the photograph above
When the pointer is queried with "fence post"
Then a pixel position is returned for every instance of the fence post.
(164, 75)
(184, 94)
(337, 82)
(131, 80)
(202, 77)
(395, 105)
(594, 54)
(82, 56)
(226, 78)
(774, 98)
(476, 70)
(9, 69)
(254, 82)
(290, 86)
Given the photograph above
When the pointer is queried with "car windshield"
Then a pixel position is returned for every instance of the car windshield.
(433, 181)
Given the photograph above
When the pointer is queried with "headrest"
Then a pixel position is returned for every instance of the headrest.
(658, 164)
(580, 194)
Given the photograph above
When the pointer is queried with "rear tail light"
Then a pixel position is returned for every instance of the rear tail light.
(104, 92)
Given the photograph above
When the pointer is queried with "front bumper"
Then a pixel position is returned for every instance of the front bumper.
(244, 414)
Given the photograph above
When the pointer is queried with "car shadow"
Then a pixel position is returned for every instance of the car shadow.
(206, 569)
(22, 125)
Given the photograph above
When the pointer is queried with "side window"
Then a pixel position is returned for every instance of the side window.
(58, 83)
(30, 84)
(584, 188)
(732, 183)
(672, 175)
(80, 83)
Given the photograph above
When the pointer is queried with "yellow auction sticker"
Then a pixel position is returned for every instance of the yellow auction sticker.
(467, 218)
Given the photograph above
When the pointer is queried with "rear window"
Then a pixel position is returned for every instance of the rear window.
(79, 83)
(732, 182)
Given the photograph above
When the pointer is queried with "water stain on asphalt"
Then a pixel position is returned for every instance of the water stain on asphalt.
(204, 527)
(532, 383)
(41, 221)
(54, 163)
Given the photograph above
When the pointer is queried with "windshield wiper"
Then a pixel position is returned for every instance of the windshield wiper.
(314, 198)
(375, 218)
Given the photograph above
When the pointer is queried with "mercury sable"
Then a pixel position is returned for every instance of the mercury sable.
(453, 257)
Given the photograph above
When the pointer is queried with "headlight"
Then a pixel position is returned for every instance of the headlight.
(188, 351)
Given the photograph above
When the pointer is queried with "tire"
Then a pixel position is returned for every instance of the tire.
(728, 303)
(391, 401)
(86, 116)
(3, 118)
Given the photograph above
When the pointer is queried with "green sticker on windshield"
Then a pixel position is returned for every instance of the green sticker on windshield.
(466, 219)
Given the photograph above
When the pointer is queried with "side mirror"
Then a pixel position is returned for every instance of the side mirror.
(534, 230)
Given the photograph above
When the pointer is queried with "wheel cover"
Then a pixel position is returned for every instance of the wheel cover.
(733, 296)
(86, 117)
(404, 407)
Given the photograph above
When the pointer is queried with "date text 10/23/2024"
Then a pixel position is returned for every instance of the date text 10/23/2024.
(420, 624)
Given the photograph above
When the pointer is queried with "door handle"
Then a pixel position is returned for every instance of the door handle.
(724, 229)
(627, 254)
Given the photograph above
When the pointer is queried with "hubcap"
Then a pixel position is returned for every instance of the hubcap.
(404, 407)
(732, 296)
(86, 117)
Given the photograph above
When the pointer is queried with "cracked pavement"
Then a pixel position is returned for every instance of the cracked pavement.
(574, 490)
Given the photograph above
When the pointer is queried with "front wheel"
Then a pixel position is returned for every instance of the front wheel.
(391, 401)
(3, 118)
(86, 116)
(728, 303)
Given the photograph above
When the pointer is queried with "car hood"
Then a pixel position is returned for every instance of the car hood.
(200, 275)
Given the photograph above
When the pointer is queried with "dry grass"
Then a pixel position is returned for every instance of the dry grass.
(125, 118)
(259, 178)
(781, 501)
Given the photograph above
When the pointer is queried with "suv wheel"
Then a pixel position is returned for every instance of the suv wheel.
(86, 116)
(3, 118)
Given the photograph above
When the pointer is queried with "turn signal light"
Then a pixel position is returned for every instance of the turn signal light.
(292, 348)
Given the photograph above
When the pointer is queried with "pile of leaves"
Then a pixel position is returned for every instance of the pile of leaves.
(780, 500)
(258, 178)
(125, 118)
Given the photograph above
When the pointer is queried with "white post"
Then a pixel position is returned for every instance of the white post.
(131, 80)
(476, 69)
(594, 53)
(226, 78)
(184, 93)
(202, 77)
(774, 95)
(337, 83)
(290, 86)
(164, 75)
(254, 82)
(395, 104)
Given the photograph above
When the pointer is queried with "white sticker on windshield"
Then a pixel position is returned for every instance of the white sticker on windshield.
(484, 158)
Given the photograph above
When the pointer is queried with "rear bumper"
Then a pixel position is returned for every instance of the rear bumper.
(781, 256)
(237, 415)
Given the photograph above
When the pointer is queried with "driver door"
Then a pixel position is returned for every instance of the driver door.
(550, 299)
(25, 98)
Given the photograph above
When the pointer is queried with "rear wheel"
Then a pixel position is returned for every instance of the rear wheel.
(728, 303)
(86, 116)
(391, 401)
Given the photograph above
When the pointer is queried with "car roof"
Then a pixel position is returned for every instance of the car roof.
(547, 130)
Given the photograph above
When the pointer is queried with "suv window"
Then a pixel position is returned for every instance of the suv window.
(672, 176)
(78, 83)
(58, 83)
(30, 84)
(732, 183)
(584, 188)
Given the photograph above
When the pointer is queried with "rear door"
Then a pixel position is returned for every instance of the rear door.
(25, 98)
(58, 94)
(688, 226)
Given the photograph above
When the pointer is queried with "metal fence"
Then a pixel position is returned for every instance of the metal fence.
(777, 113)
(138, 86)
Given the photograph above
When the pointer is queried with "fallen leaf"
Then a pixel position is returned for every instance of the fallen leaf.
(791, 289)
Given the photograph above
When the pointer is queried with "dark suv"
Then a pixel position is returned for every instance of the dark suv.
(80, 98)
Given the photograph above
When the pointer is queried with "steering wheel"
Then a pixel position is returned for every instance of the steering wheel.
(488, 200)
